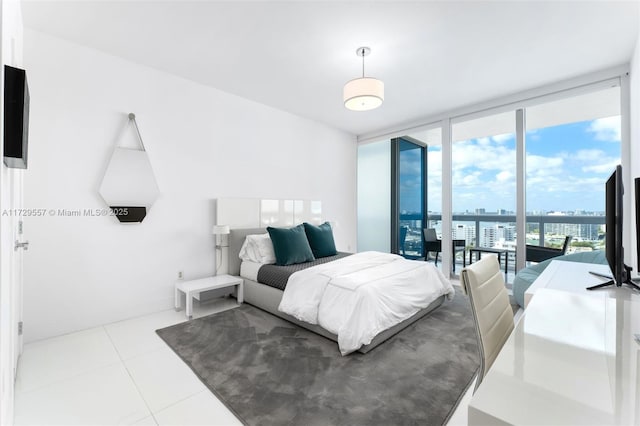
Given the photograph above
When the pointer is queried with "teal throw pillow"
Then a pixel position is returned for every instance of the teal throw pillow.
(290, 245)
(321, 239)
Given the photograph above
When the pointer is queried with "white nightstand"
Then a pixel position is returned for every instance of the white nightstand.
(193, 288)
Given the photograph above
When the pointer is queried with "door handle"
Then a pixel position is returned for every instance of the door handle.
(21, 245)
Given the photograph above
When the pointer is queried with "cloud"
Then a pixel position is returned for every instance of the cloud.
(538, 164)
(606, 129)
(484, 157)
(411, 183)
(608, 167)
(505, 176)
(472, 179)
(503, 138)
(559, 176)
(434, 161)
(595, 161)
(410, 162)
(589, 155)
(566, 169)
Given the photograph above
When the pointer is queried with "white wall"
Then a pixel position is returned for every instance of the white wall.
(203, 144)
(10, 197)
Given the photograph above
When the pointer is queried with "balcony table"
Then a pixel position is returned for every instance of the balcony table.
(497, 251)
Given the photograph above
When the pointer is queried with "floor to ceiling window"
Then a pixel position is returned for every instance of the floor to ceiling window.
(572, 145)
(484, 186)
(546, 181)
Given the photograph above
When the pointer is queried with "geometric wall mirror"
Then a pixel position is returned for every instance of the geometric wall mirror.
(129, 186)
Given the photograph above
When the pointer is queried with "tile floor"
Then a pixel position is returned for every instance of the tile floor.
(123, 373)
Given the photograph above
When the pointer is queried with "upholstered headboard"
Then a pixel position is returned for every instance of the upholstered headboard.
(236, 238)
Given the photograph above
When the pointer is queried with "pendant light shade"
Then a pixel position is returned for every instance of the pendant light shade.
(365, 93)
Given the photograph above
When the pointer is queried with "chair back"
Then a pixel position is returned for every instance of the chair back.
(492, 312)
(403, 234)
(430, 234)
(567, 242)
(402, 238)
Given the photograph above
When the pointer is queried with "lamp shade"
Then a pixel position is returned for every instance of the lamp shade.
(363, 94)
(220, 229)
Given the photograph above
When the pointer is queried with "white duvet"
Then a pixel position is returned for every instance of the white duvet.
(359, 296)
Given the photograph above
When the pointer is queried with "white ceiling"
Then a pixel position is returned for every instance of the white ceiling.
(296, 56)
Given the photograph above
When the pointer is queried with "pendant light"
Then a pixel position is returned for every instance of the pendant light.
(365, 93)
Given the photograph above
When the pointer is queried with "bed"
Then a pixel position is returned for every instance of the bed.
(270, 297)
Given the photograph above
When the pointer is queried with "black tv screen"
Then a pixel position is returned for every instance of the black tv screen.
(613, 237)
(16, 117)
(614, 250)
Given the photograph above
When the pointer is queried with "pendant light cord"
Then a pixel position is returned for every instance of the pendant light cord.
(362, 53)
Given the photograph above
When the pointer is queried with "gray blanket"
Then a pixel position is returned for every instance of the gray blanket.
(277, 276)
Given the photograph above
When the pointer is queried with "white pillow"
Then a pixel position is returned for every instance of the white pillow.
(265, 248)
(258, 249)
(248, 251)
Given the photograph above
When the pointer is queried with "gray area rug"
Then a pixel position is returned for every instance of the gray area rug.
(271, 372)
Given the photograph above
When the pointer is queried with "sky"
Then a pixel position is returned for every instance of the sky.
(567, 167)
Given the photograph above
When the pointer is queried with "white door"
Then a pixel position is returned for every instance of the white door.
(11, 258)
(19, 246)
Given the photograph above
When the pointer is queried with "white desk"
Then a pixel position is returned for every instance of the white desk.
(567, 276)
(571, 360)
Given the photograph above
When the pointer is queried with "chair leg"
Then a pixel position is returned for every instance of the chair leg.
(437, 254)
(453, 257)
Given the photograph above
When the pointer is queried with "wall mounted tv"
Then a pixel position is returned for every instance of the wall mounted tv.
(16, 117)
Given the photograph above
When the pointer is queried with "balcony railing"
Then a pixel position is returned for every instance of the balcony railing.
(415, 247)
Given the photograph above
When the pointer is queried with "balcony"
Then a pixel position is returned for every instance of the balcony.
(585, 230)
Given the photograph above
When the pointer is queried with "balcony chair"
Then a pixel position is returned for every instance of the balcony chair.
(403, 237)
(492, 313)
(433, 244)
(540, 254)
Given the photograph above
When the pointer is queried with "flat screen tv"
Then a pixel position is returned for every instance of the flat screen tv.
(614, 209)
(16, 117)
